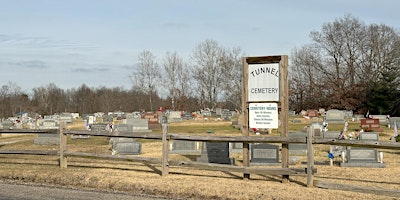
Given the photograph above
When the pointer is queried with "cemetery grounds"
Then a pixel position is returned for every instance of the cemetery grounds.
(191, 183)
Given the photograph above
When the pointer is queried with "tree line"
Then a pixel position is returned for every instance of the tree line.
(348, 65)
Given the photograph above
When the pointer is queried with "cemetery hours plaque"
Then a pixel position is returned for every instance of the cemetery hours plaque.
(263, 115)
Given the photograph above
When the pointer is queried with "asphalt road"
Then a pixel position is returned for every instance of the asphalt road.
(15, 191)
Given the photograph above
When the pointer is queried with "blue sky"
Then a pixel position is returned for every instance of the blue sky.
(96, 42)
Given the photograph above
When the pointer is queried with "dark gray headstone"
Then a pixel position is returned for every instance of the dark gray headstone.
(264, 154)
(215, 152)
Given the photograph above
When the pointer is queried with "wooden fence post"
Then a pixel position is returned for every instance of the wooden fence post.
(310, 157)
(165, 151)
(63, 145)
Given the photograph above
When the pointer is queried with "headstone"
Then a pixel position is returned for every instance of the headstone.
(334, 117)
(348, 114)
(392, 120)
(337, 150)
(264, 154)
(363, 157)
(297, 149)
(292, 113)
(74, 136)
(152, 119)
(318, 127)
(369, 136)
(48, 138)
(312, 113)
(139, 125)
(371, 125)
(331, 134)
(67, 117)
(98, 127)
(236, 147)
(108, 119)
(215, 152)
(383, 119)
(226, 115)
(7, 124)
(48, 124)
(174, 116)
(184, 147)
(127, 148)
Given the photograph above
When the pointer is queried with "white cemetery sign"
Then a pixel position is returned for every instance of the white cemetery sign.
(263, 82)
(263, 115)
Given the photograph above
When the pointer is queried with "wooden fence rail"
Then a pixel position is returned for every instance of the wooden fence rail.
(63, 152)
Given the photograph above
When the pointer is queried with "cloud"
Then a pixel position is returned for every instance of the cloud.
(31, 64)
(39, 42)
(91, 70)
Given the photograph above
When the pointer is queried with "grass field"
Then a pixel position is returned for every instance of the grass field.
(190, 183)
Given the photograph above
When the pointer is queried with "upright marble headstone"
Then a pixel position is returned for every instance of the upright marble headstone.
(334, 117)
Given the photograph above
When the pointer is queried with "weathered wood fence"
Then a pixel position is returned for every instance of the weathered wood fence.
(64, 153)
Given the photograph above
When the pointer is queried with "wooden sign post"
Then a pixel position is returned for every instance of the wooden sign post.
(265, 90)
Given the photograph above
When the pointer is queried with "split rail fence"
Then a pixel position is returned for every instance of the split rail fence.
(64, 153)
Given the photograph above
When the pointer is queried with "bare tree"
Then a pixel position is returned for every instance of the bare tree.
(176, 79)
(345, 58)
(49, 99)
(231, 63)
(147, 76)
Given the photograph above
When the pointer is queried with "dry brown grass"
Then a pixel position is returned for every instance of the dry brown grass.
(188, 183)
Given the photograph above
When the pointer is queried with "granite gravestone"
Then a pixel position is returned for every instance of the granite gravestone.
(236, 147)
(392, 121)
(139, 125)
(371, 125)
(264, 154)
(174, 116)
(334, 117)
(297, 149)
(48, 138)
(226, 114)
(383, 119)
(215, 152)
(363, 157)
(184, 147)
(127, 148)
(7, 124)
